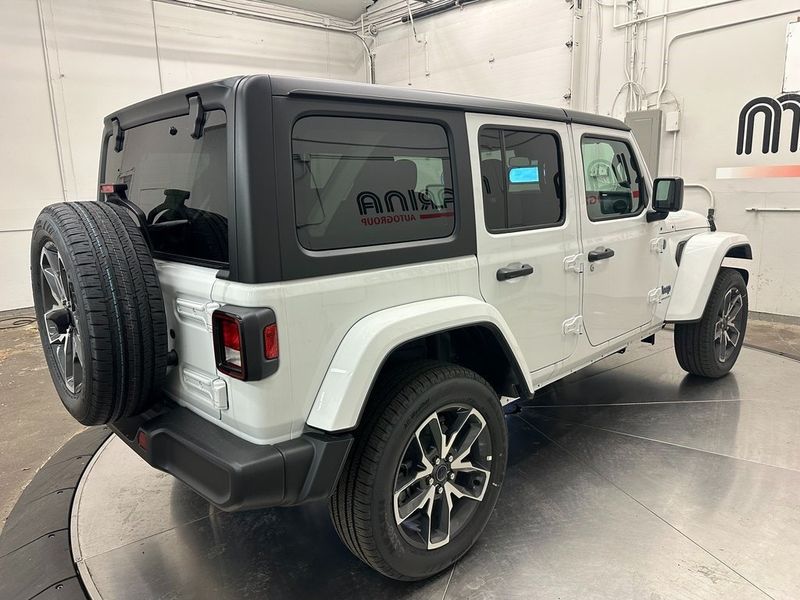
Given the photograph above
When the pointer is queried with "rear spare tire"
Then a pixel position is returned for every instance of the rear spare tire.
(99, 310)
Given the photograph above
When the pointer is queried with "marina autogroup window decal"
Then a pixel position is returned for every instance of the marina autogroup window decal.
(363, 182)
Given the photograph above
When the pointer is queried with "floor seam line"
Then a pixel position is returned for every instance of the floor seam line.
(674, 444)
(647, 508)
(636, 403)
(84, 558)
(449, 579)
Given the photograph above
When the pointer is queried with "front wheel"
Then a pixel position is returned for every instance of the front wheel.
(710, 347)
(425, 473)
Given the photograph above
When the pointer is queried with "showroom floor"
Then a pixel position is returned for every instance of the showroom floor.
(628, 480)
(35, 424)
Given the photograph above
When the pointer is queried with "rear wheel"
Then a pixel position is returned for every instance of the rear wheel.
(425, 473)
(710, 347)
(99, 309)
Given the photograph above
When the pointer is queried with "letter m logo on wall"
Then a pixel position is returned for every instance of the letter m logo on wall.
(773, 112)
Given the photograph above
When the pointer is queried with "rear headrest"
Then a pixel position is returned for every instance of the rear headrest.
(406, 174)
(492, 170)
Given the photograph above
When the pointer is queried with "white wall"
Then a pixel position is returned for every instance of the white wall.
(513, 49)
(711, 75)
(29, 176)
(105, 54)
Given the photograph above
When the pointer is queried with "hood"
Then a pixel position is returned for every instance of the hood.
(687, 219)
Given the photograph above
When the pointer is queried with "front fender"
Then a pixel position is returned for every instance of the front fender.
(366, 345)
(700, 262)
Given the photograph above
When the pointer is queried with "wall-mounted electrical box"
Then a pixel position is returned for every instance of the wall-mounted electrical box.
(646, 128)
(672, 121)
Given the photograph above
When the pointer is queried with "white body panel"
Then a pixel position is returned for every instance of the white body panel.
(340, 399)
(187, 291)
(700, 262)
(313, 316)
(336, 331)
(615, 290)
(536, 306)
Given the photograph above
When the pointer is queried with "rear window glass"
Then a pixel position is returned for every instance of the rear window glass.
(180, 183)
(363, 182)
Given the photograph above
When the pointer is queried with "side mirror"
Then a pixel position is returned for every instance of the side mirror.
(667, 197)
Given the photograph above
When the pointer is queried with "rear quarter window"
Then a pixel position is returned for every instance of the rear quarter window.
(364, 182)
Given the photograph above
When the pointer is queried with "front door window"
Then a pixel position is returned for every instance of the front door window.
(614, 181)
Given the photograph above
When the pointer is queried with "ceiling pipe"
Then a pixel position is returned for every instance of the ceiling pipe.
(665, 14)
(391, 15)
(429, 11)
(257, 13)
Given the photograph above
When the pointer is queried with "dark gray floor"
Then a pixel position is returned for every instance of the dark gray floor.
(35, 424)
(628, 480)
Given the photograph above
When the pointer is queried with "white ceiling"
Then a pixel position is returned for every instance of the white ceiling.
(343, 9)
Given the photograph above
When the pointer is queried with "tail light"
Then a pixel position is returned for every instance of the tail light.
(229, 344)
(245, 342)
(271, 341)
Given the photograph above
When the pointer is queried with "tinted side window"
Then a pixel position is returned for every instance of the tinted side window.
(613, 179)
(521, 179)
(179, 182)
(363, 182)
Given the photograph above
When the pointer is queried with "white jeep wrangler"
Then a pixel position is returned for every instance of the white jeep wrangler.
(293, 290)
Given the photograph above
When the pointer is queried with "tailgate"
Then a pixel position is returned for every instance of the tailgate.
(193, 382)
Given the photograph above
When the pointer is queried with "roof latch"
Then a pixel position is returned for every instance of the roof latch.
(198, 115)
(119, 135)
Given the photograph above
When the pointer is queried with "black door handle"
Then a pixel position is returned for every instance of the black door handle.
(512, 271)
(600, 254)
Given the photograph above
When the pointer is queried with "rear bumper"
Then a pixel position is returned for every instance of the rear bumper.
(230, 472)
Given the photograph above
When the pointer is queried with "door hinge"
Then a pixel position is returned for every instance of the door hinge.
(572, 325)
(196, 311)
(214, 390)
(658, 294)
(574, 263)
(658, 245)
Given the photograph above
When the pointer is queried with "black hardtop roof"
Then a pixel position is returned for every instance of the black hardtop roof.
(219, 93)
(300, 86)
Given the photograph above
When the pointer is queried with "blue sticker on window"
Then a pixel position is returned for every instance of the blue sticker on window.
(523, 175)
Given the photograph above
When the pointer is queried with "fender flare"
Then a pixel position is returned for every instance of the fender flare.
(361, 354)
(700, 262)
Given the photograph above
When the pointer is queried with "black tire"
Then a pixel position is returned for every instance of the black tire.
(696, 347)
(362, 506)
(113, 310)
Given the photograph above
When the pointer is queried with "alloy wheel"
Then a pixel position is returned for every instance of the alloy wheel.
(443, 476)
(728, 327)
(60, 323)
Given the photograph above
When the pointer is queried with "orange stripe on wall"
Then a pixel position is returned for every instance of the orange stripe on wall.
(758, 172)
